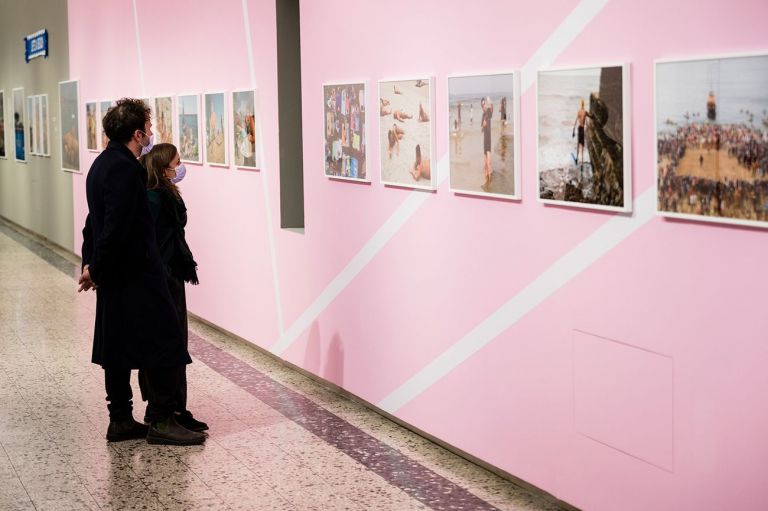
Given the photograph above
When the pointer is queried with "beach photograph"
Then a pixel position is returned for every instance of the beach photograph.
(104, 107)
(19, 135)
(69, 119)
(215, 133)
(163, 121)
(2, 125)
(712, 139)
(244, 129)
(90, 126)
(189, 128)
(44, 128)
(483, 135)
(583, 138)
(405, 133)
(344, 121)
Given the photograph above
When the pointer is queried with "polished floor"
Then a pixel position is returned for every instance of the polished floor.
(278, 440)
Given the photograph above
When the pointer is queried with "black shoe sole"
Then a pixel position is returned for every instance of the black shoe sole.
(121, 438)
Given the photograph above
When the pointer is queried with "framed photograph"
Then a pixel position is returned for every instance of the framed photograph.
(32, 125)
(244, 147)
(104, 107)
(90, 126)
(406, 133)
(584, 155)
(484, 134)
(711, 119)
(68, 118)
(19, 127)
(163, 120)
(3, 154)
(345, 131)
(45, 134)
(188, 108)
(215, 129)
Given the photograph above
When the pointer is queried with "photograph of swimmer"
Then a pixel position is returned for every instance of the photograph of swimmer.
(345, 130)
(584, 155)
(405, 133)
(712, 139)
(483, 135)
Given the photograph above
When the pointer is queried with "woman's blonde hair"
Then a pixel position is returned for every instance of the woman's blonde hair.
(157, 161)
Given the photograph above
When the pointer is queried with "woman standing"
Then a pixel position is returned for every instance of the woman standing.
(170, 215)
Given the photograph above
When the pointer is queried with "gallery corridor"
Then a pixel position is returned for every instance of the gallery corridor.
(277, 440)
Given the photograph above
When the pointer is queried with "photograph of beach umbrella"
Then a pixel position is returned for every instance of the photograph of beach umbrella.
(19, 136)
(90, 126)
(484, 137)
(215, 129)
(405, 133)
(345, 130)
(584, 153)
(712, 139)
(69, 123)
(163, 120)
(244, 129)
(189, 128)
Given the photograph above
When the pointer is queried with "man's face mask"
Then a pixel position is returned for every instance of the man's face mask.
(147, 148)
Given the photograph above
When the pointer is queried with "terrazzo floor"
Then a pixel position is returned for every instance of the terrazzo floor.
(277, 439)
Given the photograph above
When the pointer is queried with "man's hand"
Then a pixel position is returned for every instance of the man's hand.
(86, 284)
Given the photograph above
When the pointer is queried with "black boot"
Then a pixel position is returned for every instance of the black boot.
(186, 419)
(169, 432)
(125, 429)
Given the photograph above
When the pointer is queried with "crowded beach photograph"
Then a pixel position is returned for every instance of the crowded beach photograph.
(584, 154)
(215, 129)
(484, 136)
(189, 128)
(90, 126)
(244, 129)
(345, 130)
(712, 139)
(405, 133)
(162, 120)
(69, 123)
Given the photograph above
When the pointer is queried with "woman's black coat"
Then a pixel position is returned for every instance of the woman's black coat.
(136, 325)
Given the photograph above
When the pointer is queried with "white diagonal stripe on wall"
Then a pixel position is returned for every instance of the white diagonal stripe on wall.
(560, 38)
(264, 173)
(138, 47)
(592, 248)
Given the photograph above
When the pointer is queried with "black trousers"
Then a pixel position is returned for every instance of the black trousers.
(160, 387)
(178, 293)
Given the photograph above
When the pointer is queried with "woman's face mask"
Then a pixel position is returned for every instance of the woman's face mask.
(181, 171)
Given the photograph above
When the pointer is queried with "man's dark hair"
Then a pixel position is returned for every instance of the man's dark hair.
(123, 119)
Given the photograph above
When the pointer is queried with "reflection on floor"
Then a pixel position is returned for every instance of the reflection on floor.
(277, 440)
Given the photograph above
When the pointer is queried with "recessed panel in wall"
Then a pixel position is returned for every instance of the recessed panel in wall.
(215, 129)
(406, 133)
(244, 147)
(345, 131)
(584, 154)
(484, 136)
(69, 122)
(188, 108)
(712, 139)
(19, 120)
(624, 398)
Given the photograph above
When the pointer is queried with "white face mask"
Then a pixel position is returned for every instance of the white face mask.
(147, 148)
(181, 171)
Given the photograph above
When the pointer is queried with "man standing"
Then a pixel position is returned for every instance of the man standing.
(136, 325)
(581, 121)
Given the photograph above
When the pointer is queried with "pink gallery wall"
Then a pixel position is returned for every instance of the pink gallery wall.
(615, 361)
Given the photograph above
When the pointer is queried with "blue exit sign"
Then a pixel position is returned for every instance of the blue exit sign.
(36, 45)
